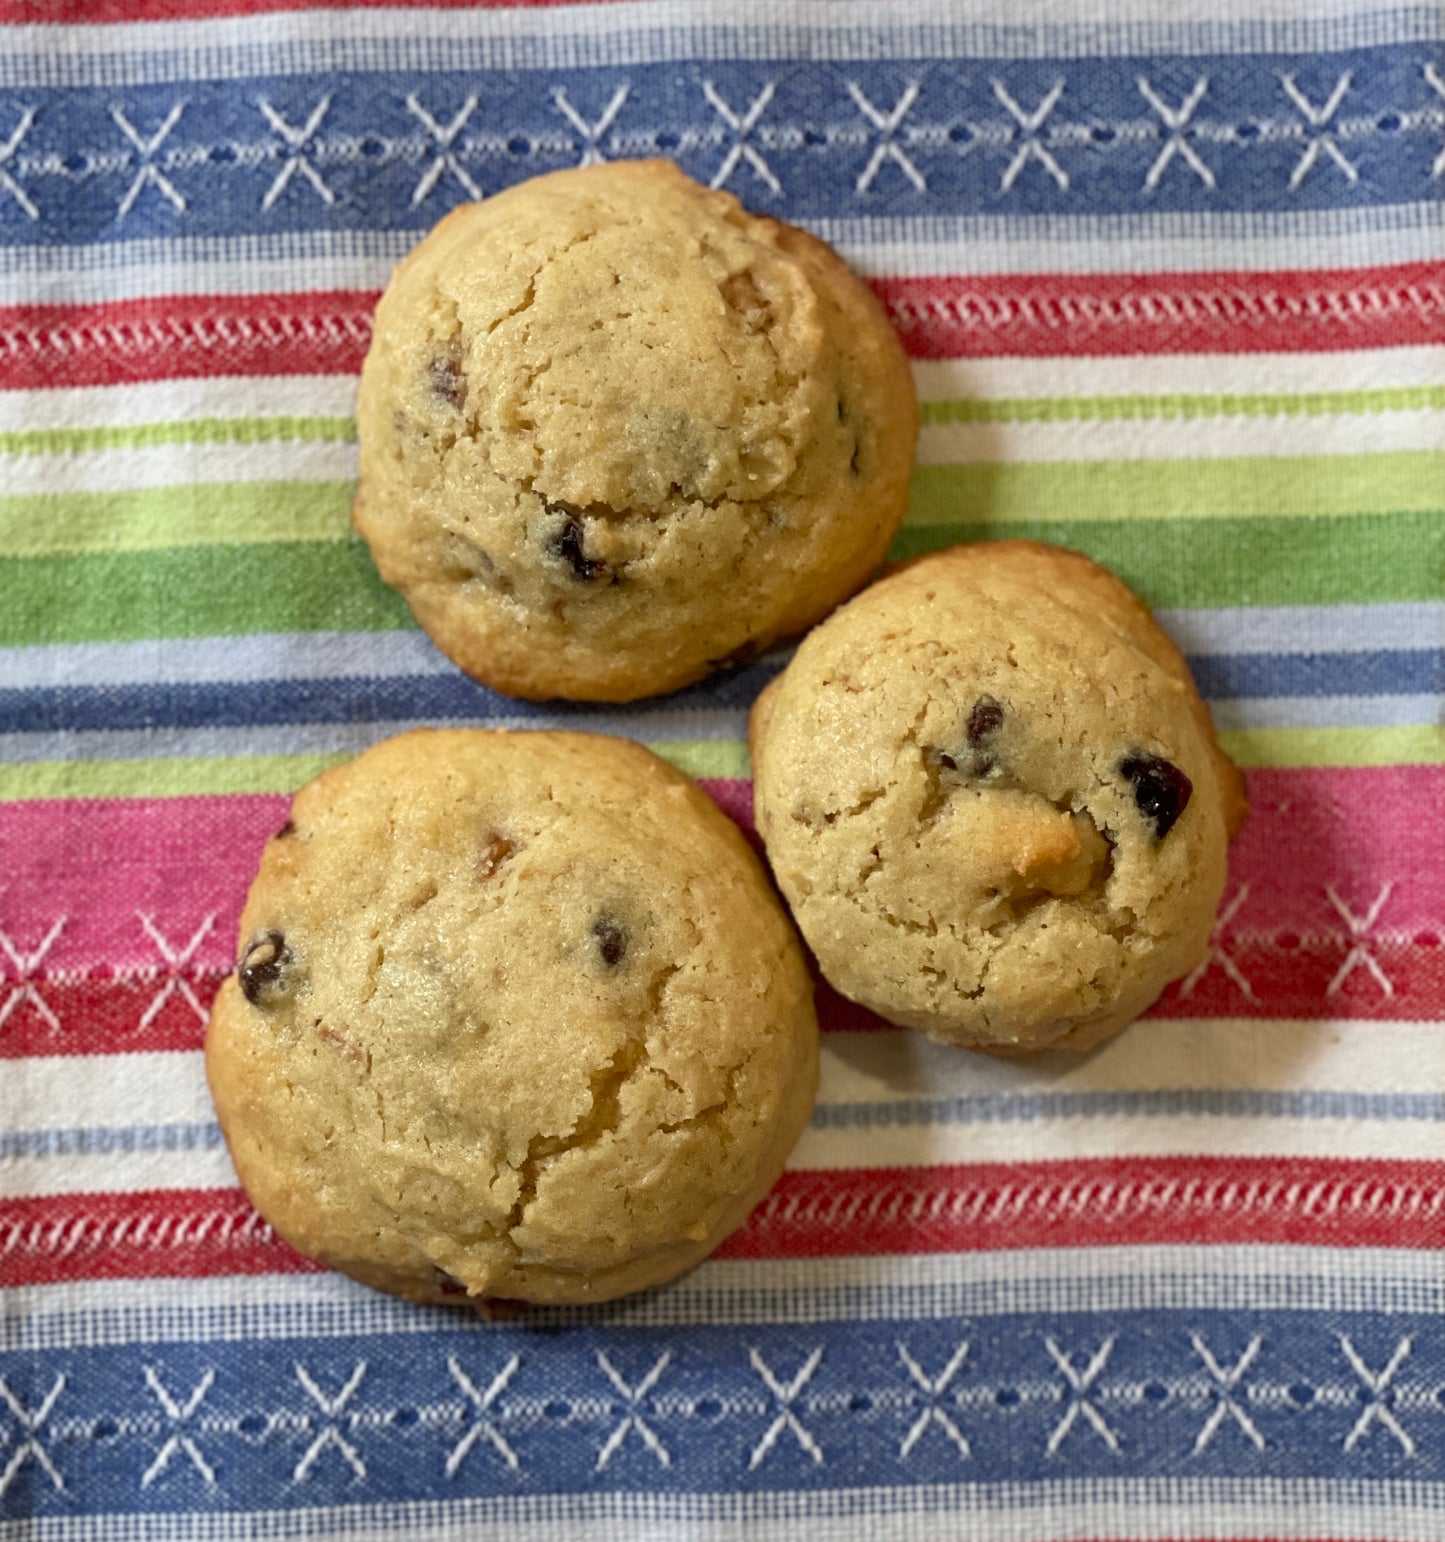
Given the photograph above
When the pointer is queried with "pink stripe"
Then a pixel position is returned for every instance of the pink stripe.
(1336, 907)
(938, 316)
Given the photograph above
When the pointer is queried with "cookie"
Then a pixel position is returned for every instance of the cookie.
(617, 432)
(994, 800)
(515, 1015)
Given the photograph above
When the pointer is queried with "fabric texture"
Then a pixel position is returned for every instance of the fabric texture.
(1171, 278)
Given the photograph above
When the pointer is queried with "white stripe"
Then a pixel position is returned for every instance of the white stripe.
(112, 1091)
(622, 34)
(919, 248)
(1301, 628)
(1044, 1509)
(306, 396)
(258, 656)
(171, 465)
(179, 401)
(1057, 1139)
(1162, 439)
(1241, 715)
(124, 469)
(380, 655)
(1191, 374)
(105, 1090)
(118, 1172)
(1257, 1277)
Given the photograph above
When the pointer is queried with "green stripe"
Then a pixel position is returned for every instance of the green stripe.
(1240, 487)
(1125, 409)
(332, 586)
(141, 436)
(162, 778)
(1403, 745)
(192, 514)
(1211, 563)
(245, 513)
(196, 592)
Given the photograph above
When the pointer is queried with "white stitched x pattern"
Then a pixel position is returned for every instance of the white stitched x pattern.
(1031, 147)
(1318, 119)
(26, 966)
(7, 153)
(1225, 1383)
(591, 132)
(148, 171)
(30, 1448)
(444, 138)
(1377, 1384)
(742, 126)
(1359, 955)
(297, 139)
(934, 1389)
(1081, 1404)
(633, 1419)
(786, 1393)
(173, 980)
(330, 1434)
(482, 1425)
(888, 148)
(179, 1439)
(1176, 120)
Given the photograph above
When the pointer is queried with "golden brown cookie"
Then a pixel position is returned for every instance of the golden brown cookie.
(617, 432)
(994, 800)
(516, 1014)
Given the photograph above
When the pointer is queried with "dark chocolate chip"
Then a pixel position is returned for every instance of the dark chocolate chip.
(289, 828)
(448, 380)
(264, 969)
(947, 762)
(611, 941)
(566, 544)
(1161, 790)
(984, 721)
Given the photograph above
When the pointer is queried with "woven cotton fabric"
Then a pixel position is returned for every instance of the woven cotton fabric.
(1171, 277)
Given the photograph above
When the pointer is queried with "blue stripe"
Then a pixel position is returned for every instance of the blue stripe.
(558, 1422)
(1181, 1103)
(217, 171)
(109, 1140)
(452, 698)
(1384, 672)
(1176, 1103)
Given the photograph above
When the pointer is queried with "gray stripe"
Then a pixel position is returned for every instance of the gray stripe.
(1307, 628)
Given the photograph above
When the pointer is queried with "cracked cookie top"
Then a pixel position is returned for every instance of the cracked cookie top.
(994, 800)
(616, 432)
(515, 1015)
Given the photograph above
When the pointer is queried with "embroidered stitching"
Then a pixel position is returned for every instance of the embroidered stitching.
(786, 1394)
(591, 132)
(297, 139)
(8, 151)
(483, 1426)
(633, 1419)
(149, 171)
(742, 126)
(444, 138)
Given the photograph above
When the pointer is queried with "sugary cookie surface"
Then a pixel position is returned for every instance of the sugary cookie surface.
(516, 1015)
(994, 800)
(617, 432)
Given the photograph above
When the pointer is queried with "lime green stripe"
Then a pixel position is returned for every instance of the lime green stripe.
(194, 514)
(197, 591)
(141, 436)
(178, 778)
(1404, 745)
(332, 586)
(161, 778)
(243, 513)
(1242, 487)
(1124, 409)
(1208, 563)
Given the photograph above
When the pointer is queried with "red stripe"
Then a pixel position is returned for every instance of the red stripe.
(89, 12)
(326, 332)
(1322, 847)
(183, 337)
(1089, 314)
(984, 1208)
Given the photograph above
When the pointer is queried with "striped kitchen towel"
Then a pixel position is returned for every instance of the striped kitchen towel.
(1173, 278)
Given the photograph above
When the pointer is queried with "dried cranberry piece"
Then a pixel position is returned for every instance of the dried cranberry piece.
(1161, 790)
